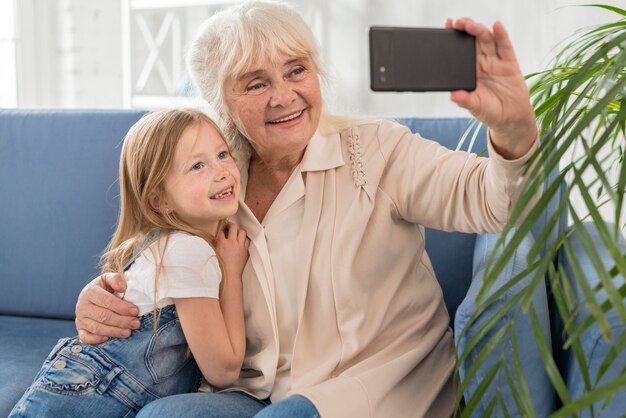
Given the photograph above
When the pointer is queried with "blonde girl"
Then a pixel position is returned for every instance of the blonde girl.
(183, 264)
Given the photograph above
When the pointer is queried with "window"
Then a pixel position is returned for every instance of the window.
(155, 33)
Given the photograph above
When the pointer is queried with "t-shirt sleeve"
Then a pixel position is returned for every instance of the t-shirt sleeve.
(190, 269)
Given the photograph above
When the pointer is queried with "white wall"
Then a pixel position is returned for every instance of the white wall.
(535, 27)
(70, 54)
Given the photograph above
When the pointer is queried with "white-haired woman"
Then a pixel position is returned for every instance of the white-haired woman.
(339, 323)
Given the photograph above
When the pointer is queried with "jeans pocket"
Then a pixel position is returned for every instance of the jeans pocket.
(69, 375)
(168, 352)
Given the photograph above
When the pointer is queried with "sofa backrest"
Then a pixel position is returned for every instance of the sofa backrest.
(58, 181)
(58, 172)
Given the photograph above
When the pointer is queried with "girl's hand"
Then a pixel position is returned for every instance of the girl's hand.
(501, 99)
(232, 246)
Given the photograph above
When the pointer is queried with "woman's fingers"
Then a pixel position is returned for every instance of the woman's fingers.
(111, 282)
(99, 292)
(100, 312)
(503, 42)
(97, 332)
(86, 337)
(466, 100)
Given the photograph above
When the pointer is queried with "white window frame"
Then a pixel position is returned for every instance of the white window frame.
(169, 31)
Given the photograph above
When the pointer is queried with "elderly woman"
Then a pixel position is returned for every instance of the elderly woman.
(339, 322)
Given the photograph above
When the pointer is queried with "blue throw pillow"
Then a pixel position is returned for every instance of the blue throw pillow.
(537, 382)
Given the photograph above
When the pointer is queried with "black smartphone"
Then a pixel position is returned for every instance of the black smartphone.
(421, 59)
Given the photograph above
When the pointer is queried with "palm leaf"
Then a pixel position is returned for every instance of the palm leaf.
(580, 105)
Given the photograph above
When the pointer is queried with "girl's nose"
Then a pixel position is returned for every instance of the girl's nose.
(221, 172)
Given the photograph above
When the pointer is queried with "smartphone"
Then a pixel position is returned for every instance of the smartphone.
(421, 59)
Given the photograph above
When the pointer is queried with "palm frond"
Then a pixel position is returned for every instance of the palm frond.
(580, 104)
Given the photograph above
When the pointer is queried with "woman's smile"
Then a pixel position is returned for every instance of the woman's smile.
(284, 119)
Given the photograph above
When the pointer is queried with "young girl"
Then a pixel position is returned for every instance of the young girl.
(178, 183)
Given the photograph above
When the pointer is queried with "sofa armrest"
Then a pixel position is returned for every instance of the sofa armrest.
(537, 381)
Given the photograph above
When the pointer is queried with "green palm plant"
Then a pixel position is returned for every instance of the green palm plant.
(580, 103)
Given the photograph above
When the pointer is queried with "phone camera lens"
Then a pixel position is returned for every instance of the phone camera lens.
(382, 77)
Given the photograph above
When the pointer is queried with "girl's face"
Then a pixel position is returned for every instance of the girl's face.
(277, 104)
(202, 185)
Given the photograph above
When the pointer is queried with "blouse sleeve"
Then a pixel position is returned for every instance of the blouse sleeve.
(190, 269)
(448, 190)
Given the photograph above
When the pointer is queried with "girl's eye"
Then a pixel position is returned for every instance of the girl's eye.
(223, 155)
(197, 166)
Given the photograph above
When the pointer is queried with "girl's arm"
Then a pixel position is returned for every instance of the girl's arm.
(214, 329)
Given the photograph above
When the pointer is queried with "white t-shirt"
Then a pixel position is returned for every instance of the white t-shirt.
(190, 269)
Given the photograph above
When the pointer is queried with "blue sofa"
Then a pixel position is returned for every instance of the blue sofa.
(58, 171)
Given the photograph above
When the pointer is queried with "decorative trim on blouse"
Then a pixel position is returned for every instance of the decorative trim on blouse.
(354, 147)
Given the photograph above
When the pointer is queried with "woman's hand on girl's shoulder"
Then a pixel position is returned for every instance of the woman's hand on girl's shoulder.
(100, 314)
(232, 246)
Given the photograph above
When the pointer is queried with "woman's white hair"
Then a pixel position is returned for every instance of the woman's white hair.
(232, 40)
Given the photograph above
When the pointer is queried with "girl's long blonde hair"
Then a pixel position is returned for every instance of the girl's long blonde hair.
(147, 155)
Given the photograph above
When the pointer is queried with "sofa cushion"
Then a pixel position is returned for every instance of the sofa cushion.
(539, 385)
(58, 172)
(595, 346)
(26, 342)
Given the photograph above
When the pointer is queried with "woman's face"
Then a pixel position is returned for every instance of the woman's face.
(277, 104)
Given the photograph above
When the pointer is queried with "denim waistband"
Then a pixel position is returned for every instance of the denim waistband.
(165, 314)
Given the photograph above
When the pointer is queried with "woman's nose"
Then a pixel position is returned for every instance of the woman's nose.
(282, 94)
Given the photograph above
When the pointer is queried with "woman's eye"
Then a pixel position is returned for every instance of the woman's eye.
(256, 88)
(223, 155)
(297, 72)
(197, 166)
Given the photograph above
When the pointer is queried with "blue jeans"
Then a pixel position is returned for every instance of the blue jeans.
(229, 405)
(116, 378)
